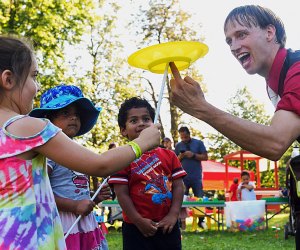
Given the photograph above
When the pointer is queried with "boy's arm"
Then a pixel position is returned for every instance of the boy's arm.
(249, 186)
(146, 226)
(168, 222)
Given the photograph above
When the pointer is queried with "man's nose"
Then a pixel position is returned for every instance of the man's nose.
(235, 46)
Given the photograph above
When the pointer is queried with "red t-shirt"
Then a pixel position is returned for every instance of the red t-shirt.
(290, 100)
(149, 180)
(233, 190)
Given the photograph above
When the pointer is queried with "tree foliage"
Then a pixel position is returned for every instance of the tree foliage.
(159, 22)
(50, 25)
(242, 105)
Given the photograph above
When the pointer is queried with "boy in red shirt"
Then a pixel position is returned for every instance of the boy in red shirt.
(150, 190)
(233, 190)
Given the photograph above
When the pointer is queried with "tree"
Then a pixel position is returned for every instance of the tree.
(242, 105)
(50, 25)
(163, 21)
(108, 81)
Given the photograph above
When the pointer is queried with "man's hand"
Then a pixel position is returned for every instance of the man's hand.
(186, 93)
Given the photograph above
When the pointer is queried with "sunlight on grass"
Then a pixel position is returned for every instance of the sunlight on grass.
(219, 240)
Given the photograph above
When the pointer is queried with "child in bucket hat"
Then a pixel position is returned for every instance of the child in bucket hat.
(61, 96)
(67, 108)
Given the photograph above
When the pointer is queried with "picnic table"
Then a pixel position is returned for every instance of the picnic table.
(219, 205)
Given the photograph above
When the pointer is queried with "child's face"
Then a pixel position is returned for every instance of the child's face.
(68, 120)
(167, 144)
(31, 86)
(245, 179)
(137, 120)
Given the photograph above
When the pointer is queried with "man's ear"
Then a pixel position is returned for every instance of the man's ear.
(271, 33)
(7, 80)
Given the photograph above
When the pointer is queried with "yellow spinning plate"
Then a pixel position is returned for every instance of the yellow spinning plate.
(154, 58)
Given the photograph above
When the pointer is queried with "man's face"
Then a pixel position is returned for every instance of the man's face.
(251, 46)
(185, 137)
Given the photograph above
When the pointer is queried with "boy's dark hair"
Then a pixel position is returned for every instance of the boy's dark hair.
(134, 102)
(184, 130)
(258, 16)
(244, 172)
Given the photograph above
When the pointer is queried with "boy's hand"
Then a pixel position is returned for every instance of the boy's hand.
(167, 223)
(84, 207)
(146, 226)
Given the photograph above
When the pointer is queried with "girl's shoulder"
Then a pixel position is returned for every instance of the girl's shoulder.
(24, 126)
(21, 134)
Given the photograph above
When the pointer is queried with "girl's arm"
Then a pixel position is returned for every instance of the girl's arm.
(68, 153)
(78, 207)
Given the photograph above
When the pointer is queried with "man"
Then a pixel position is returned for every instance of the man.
(191, 152)
(256, 38)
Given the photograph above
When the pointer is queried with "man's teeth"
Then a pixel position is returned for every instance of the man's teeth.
(240, 56)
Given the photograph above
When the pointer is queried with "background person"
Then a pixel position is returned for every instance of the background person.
(167, 143)
(233, 190)
(191, 152)
(245, 191)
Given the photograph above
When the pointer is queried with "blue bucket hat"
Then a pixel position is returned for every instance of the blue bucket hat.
(62, 96)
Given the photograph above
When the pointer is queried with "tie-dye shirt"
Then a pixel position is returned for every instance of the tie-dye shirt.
(28, 214)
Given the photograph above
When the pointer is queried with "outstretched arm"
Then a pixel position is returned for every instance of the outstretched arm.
(70, 154)
(273, 140)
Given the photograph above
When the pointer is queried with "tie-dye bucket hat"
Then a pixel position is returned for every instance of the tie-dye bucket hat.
(64, 95)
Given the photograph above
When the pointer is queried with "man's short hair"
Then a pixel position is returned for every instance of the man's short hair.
(255, 15)
(184, 130)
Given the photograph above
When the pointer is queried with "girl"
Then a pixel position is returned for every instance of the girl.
(28, 213)
(66, 108)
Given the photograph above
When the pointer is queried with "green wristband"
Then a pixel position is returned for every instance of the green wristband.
(136, 149)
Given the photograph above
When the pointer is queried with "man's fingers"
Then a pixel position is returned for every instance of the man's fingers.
(175, 71)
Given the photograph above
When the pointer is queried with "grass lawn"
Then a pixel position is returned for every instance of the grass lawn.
(260, 240)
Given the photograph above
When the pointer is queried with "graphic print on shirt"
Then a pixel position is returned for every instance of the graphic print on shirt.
(80, 181)
(156, 182)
